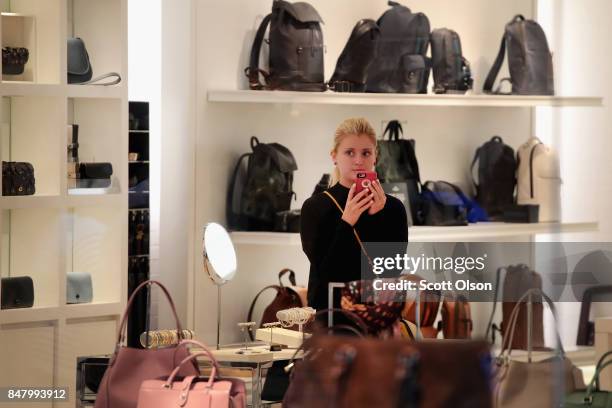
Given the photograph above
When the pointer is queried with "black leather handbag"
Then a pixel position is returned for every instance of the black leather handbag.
(14, 60)
(17, 179)
(79, 67)
(16, 292)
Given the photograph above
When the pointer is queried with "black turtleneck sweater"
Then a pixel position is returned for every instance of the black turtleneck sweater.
(331, 246)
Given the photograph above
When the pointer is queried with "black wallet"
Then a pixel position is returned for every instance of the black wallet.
(17, 292)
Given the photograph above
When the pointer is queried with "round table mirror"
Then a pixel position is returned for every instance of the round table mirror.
(220, 262)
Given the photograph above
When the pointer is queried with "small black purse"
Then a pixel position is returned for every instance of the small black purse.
(17, 179)
(17, 292)
(79, 67)
(14, 60)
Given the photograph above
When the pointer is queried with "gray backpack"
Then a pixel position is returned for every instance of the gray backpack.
(401, 65)
(529, 59)
(451, 71)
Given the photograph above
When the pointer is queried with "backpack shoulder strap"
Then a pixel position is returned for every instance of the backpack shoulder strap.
(499, 60)
(229, 203)
(531, 156)
(253, 71)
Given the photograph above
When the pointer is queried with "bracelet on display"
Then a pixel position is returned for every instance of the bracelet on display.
(163, 338)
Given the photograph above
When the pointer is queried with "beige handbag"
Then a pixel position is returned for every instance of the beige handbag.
(539, 179)
(534, 383)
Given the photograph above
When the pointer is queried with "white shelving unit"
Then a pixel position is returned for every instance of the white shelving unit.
(484, 231)
(371, 99)
(54, 232)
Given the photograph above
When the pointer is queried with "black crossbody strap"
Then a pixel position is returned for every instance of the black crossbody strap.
(499, 60)
(253, 71)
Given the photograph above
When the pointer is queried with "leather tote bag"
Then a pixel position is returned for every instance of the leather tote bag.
(286, 297)
(517, 281)
(539, 179)
(592, 397)
(534, 383)
(193, 391)
(129, 367)
(397, 163)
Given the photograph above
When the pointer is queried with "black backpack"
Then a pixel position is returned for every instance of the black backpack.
(451, 71)
(529, 59)
(397, 163)
(262, 189)
(296, 49)
(400, 65)
(356, 57)
(496, 176)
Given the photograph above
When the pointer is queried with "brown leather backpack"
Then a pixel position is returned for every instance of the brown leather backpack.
(456, 318)
(286, 297)
(429, 304)
(518, 280)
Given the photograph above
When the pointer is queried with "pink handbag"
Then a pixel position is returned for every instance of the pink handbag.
(193, 391)
(129, 367)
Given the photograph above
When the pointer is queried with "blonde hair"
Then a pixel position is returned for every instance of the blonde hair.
(351, 126)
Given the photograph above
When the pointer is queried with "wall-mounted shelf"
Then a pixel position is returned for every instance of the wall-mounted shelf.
(53, 313)
(372, 99)
(484, 230)
(19, 88)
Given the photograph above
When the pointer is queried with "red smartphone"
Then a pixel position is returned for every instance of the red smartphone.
(364, 180)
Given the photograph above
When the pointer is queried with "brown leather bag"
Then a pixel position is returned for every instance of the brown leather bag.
(456, 318)
(286, 297)
(429, 306)
(518, 280)
(129, 367)
(341, 371)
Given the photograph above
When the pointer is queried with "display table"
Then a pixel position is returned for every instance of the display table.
(235, 361)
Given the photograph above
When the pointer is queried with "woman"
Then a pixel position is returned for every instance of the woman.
(327, 234)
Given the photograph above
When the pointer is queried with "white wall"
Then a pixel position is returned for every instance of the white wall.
(177, 154)
(446, 137)
(162, 72)
(581, 31)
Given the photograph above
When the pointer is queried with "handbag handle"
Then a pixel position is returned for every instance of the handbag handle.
(187, 359)
(122, 326)
(291, 276)
(514, 319)
(186, 342)
(352, 316)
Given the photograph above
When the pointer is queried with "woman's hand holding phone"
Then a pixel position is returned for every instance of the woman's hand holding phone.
(378, 196)
(356, 204)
